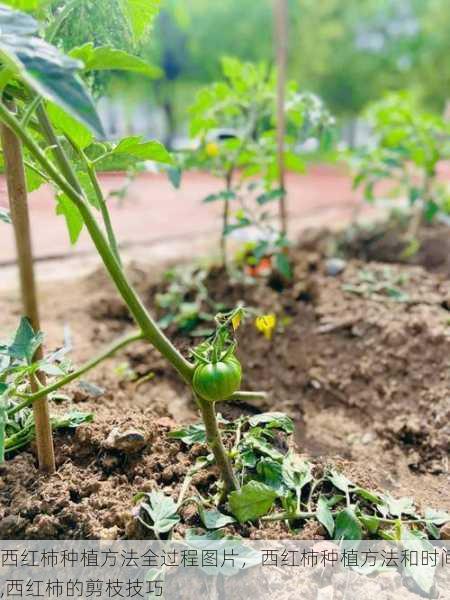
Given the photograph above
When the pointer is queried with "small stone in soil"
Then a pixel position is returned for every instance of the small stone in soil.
(335, 266)
(129, 441)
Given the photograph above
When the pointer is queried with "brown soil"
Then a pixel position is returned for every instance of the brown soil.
(365, 376)
(388, 241)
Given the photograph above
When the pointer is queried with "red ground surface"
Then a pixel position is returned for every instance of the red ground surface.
(156, 218)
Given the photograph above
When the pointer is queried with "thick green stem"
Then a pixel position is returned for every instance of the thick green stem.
(216, 445)
(118, 345)
(149, 328)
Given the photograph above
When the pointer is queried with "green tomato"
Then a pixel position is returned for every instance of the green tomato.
(217, 381)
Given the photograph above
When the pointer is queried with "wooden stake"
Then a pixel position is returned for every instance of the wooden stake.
(281, 48)
(18, 201)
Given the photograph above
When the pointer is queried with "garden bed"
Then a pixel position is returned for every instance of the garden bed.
(359, 361)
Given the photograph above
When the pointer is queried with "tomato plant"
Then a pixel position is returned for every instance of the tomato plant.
(234, 124)
(56, 123)
(408, 145)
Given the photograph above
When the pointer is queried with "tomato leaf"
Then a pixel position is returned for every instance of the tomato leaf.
(44, 68)
(296, 472)
(191, 434)
(26, 341)
(214, 519)
(64, 122)
(273, 420)
(324, 515)
(105, 58)
(347, 525)
(140, 15)
(5, 216)
(72, 215)
(252, 501)
(136, 147)
(162, 511)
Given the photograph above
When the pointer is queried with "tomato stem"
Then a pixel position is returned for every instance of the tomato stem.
(215, 443)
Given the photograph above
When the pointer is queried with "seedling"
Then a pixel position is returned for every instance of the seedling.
(409, 144)
(235, 124)
(45, 78)
(19, 365)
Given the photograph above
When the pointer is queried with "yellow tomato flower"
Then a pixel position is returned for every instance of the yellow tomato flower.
(212, 149)
(266, 325)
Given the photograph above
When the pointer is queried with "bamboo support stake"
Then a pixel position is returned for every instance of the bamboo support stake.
(281, 48)
(17, 192)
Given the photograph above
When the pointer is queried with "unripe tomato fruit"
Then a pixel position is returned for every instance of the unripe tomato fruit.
(217, 381)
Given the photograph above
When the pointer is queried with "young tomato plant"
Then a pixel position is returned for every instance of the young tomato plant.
(38, 77)
(409, 144)
(234, 124)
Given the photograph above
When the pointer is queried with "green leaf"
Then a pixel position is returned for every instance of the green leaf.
(262, 446)
(26, 5)
(252, 501)
(368, 495)
(26, 341)
(269, 196)
(44, 68)
(73, 129)
(422, 573)
(437, 517)
(5, 216)
(162, 511)
(138, 148)
(397, 506)
(223, 195)
(140, 15)
(296, 472)
(191, 434)
(33, 179)
(283, 265)
(271, 474)
(74, 220)
(324, 515)
(293, 162)
(347, 526)
(72, 420)
(371, 522)
(273, 420)
(340, 481)
(105, 58)
(214, 519)
(174, 174)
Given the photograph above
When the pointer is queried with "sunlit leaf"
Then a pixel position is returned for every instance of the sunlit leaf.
(26, 341)
(138, 148)
(74, 220)
(107, 58)
(140, 14)
(76, 131)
